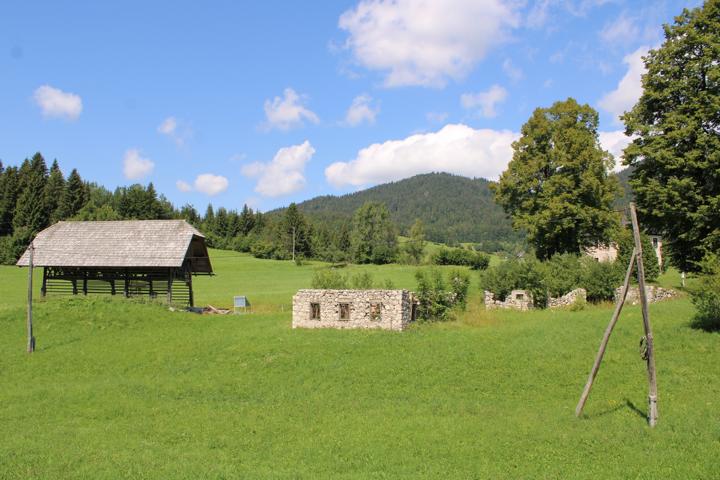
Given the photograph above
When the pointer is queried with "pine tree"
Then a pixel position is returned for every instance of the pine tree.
(10, 191)
(209, 219)
(247, 220)
(373, 238)
(295, 231)
(30, 209)
(415, 245)
(189, 213)
(221, 222)
(74, 197)
(53, 192)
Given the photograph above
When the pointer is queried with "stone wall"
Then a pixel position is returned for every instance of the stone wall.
(569, 299)
(386, 309)
(653, 294)
(517, 300)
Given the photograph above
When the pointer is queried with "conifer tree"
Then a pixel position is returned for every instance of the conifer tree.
(53, 192)
(10, 190)
(30, 209)
(373, 238)
(247, 220)
(294, 229)
(74, 197)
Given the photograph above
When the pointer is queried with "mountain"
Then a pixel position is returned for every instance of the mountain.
(453, 208)
(626, 193)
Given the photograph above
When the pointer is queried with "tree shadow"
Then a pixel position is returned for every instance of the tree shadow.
(705, 324)
(635, 409)
(628, 404)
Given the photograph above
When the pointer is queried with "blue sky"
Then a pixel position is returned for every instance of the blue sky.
(273, 102)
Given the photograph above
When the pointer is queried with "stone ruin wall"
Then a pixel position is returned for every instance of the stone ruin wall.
(569, 299)
(523, 300)
(653, 294)
(395, 309)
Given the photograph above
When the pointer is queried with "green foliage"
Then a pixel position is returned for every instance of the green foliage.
(30, 210)
(705, 293)
(74, 197)
(294, 229)
(563, 273)
(329, 279)
(54, 189)
(434, 301)
(676, 149)
(362, 281)
(600, 279)
(12, 246)
(415, 246)
(459, 283)
(462, 257)
(626, 243)
(525, 273)
(557, 186)
(373, 238)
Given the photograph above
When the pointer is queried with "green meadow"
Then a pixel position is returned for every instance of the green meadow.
(128, 389)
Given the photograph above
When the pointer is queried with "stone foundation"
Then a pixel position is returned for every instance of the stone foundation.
(384, 309)
(653, 294)
(569, 299)
(516, 300)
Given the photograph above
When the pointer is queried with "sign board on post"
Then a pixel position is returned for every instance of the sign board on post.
(240, 301)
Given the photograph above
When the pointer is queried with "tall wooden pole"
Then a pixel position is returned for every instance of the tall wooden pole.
(293, 245)
(652, 378)
(606, 337)
(31, 338)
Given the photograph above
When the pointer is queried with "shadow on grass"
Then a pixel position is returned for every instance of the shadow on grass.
(628, 404)
(705, 324)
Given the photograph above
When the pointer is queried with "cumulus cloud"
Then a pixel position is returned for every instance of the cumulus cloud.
(615, 142)
(484, 102)
(288, 111)
(210, 184)
(425, 43)
(622, 30)
(135, 166)
(514, 73)
(175, 130)
(455, 148)
(629, 89)
(55, 103)
(284, 174)
(361, 110)
(183, 186)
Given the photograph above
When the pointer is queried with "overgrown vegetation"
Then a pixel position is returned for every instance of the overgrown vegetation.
(705, 293)
(436, 297)
(461, 256)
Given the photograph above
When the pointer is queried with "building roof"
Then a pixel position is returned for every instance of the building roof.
(127, 243)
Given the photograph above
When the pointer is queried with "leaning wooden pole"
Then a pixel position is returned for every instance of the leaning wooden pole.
(606, 338)
(650, 357)
(31, 338)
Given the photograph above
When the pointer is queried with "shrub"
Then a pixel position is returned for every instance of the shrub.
(517, 273)
(625, 245)
(461, 257)
(329, 279)
(600, 279)
(563, 273)
(459, 285)
(362, 281)
(435, 300)
(13, 246)
(705, 294)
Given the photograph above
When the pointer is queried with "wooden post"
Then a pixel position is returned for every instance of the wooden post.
(43, 290)
(606, 337)
(126, 288)
(190, 289)
(31, 337)
(169, 287)
(293, 245)
(85, 280)
(652, 379)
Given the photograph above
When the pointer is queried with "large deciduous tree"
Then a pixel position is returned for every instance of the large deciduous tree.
(373, 238)
(676, 151)
(557, 187)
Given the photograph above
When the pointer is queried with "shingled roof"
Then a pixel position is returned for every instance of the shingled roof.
(127, 243)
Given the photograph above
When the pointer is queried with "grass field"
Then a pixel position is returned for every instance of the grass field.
(126, 389)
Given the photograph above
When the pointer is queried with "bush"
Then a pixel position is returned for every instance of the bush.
(517, 273)
(705, 294)
(433, 298)
(600, 279)
(329, 279)
(459, 285)
(362, 281)
(461, 257)
(563, 273)
(625, 245)
(13, 246)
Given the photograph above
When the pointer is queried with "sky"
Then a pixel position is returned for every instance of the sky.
(266, 103)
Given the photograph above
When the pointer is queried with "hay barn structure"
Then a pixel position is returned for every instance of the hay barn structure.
(156, 258)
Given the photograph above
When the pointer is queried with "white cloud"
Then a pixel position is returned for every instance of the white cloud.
(210, 184)
(288, 111)
(55, 103)
(629, 89)
(425, 42)
(622, 30)
(485, 101)
(183, 186)
(514, 73)
(615, 142)
(284, 174)
(436, 117)
(135, 166)
(455, 148)
(361, 110)
(175, 130)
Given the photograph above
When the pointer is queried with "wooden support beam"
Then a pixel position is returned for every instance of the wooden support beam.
(43, 289)
(652, 377)
(169, 286)
(31, 337)
(606, 337)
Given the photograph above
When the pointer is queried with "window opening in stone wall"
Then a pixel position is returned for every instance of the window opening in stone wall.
(344, 311)
(314, 311)
(376, 312)
(519, 296)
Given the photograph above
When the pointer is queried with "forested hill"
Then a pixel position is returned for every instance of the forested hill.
(453, 208)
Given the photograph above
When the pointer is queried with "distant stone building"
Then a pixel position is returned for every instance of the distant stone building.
(609, 253)
(516, 300)
(384, 309)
